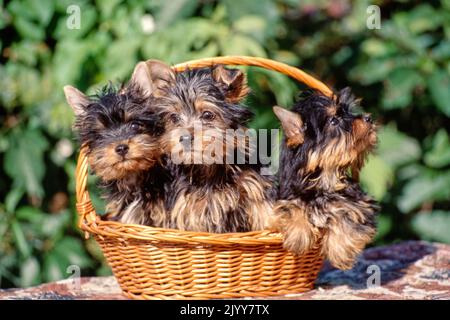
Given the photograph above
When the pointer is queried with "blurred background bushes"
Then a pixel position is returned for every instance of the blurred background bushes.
(402, 72)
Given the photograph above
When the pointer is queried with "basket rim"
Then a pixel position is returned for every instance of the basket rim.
(91, 223)
(146, 233)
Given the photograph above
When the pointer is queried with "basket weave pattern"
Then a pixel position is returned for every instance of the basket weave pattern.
(156, 263)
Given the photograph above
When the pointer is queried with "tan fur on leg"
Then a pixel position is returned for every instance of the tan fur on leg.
(344, 241)
(299, 235)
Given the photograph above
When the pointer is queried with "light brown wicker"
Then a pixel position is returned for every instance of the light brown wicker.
(155, 263)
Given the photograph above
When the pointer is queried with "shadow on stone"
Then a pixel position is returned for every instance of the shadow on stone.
(392, 262)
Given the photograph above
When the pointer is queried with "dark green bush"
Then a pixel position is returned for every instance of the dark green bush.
(401, 70)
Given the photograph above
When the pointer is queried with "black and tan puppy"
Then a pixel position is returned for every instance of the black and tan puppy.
(323, 151)
(204, 134)
(121, 132)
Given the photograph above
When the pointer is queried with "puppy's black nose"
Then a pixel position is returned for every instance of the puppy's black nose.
(122, 149)
(185, 138)
(368, 118)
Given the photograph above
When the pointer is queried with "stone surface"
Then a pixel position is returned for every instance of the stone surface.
(409, 270)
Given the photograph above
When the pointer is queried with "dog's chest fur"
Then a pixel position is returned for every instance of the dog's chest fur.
(139, 199)
(240, 202)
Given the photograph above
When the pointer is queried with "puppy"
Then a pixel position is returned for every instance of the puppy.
(121, 134)
(323, 150)
(205, 127)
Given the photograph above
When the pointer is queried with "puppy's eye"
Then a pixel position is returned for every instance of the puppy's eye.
(208, 116)
(136, 125)
(175, 118)
(334, 121)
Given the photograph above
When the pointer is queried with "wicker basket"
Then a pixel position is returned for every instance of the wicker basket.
(155, 263)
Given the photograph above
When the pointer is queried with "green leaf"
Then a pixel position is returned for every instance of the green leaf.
(378, 48)
(30, 272)
(120, 59)
(433, 225)
(396, 148)
(54, 269)
(24, 161)
(418, 20)
(107, 7)
(252, 25)
(42, 9)
(55, 224)
(384, 226)
(424, 188)
(399, 88)
(174, 10)
(28, 29)
(441, 51)
(439, 86)
(20, 240)
(71, 251)
(439, 155)
(376, 176)
(373, 71)
(242, 45)
(31, 215)
(263, 8)
(12, 199)
(67, 61)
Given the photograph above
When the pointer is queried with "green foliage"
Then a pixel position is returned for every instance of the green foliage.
(401, 70)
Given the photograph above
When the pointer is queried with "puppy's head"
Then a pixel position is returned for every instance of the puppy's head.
(119, 131)
(199, 109)
(328, 132)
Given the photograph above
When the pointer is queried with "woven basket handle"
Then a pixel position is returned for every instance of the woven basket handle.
(84, 205)
(288, 70)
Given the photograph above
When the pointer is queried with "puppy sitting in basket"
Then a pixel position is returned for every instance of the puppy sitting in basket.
(120, 134)
(204, 128)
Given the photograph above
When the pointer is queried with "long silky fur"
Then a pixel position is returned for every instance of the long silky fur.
(317, 196)
(133, 194)
(215, 198)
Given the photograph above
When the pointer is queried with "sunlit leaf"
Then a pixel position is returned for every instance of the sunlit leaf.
(418, 20)
(433, 225)
(29, 272)
(12, 198)
(20, 239)
(171, 11)
(376, 176)
(54, 268)
(384, 226)
(395, 147)
(399, 88)
(439, 86)
(24, 161)
(439, 155)
(424, 188)
(71, 251)
(372, 71)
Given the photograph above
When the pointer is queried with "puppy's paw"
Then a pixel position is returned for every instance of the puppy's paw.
(299, 235)
(343, 243)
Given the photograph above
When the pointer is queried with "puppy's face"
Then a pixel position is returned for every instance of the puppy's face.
(200, 112)
(328, 132)
(120, 134)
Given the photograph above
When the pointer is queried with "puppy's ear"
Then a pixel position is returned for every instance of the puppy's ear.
(233, 82)
(76, 99)
(152, 76)
(292, 125)
(141, 78)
